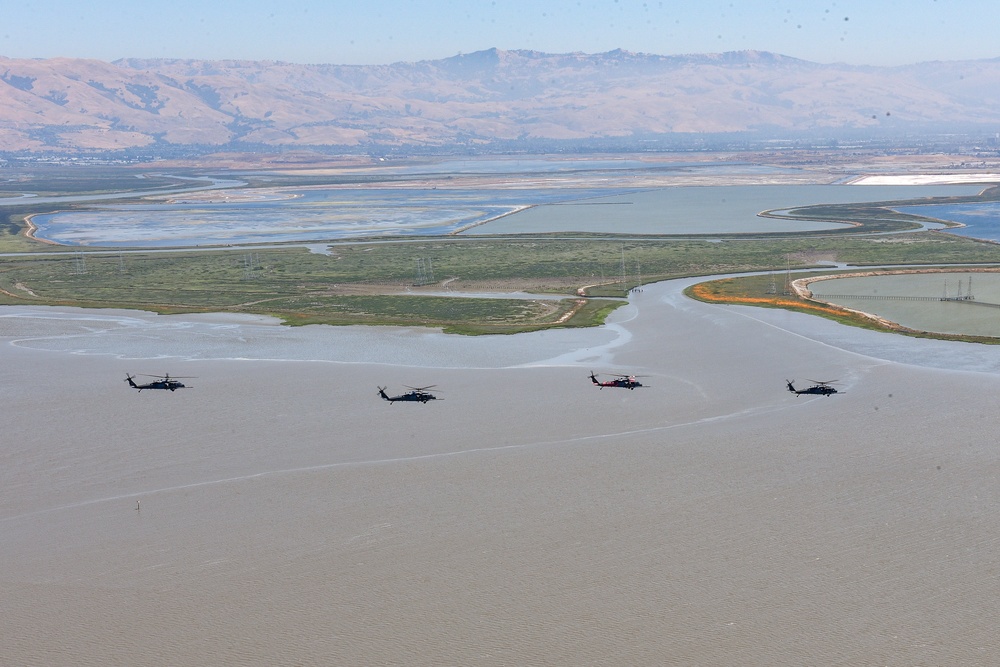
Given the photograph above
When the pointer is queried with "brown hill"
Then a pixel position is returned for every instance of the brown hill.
(483, 98)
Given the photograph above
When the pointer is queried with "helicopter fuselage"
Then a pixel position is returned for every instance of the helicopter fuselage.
(163, 383)
(623, 381)
(821, 389)
(417, 395)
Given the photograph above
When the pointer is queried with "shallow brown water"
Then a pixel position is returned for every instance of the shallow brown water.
(289, 517)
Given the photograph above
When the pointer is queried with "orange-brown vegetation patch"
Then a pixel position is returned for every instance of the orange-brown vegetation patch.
(710, 292)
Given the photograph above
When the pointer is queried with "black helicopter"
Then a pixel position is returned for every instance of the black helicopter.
(161, 382)
(821, 388)
(415, 394)
(623, 381)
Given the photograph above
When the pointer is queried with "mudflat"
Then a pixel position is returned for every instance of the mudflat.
(287, 515)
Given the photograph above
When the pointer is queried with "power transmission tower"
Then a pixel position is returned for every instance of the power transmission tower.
(425, 272)
(421, 276)
(624, 278)
(251, 266)
(79, 264)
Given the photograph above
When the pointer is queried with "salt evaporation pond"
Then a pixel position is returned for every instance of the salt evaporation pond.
(297, 214)
(914, 300)
(702, 210)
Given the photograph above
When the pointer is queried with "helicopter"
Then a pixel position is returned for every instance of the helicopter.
(623, 381)
(819, 387)
(161, 382)
(415, 394)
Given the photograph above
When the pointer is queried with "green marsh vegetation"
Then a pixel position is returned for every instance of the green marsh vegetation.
(377, 282)
(434, 281)
(373, 283)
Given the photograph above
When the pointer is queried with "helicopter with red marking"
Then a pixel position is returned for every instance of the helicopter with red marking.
(416, 394)
(161, 382)
(623, 381)
(819, 387)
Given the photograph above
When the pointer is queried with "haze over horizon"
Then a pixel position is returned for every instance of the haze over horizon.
(312, 32)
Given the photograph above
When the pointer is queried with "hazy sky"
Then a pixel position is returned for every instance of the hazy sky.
(861, 32)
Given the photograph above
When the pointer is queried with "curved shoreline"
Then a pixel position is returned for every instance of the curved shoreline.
(803, 300)
(32, 228)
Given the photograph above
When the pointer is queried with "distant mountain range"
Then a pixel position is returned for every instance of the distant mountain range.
(487, 99)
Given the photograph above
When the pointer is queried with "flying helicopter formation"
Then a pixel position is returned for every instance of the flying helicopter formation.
(161, 382)
(422, 395)
(819, 387)
(415, 394)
